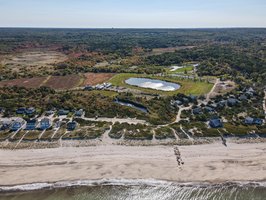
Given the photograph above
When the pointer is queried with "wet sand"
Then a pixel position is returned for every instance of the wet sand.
(202, 163)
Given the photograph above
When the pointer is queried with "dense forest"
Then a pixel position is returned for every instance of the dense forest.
(221, 51)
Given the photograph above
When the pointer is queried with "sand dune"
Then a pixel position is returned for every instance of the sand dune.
(208, 163)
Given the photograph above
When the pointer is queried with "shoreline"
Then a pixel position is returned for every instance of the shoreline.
(123, 182)
(212, 163)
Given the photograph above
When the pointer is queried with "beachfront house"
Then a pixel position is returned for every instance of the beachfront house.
(45, 124)
(79, 113)
(31, 124)
(63, 112)
(17, 124)
(253, 121)
(5, 125)
(71, 126)
(216, 123)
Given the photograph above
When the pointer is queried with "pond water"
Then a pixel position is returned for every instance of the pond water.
(132, 105)
(153, 84)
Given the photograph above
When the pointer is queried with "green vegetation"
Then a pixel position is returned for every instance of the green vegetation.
(164, 133)
(131, 132)
(184, 70)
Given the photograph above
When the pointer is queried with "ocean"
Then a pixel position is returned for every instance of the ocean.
(135, 190)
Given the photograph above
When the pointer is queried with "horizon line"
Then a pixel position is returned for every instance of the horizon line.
(223, 27)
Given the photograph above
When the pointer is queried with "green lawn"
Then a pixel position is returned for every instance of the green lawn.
(187, 86)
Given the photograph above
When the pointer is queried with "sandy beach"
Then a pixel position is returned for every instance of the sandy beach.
(202, 163)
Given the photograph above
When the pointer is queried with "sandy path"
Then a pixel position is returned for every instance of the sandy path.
(113, 120)
(208, 96)
(212, 162)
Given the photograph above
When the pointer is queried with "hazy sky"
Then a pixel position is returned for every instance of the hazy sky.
(133, 13)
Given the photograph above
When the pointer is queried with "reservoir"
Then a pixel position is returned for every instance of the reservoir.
(153, 84)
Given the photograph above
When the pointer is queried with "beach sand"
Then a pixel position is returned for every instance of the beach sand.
(202, 163)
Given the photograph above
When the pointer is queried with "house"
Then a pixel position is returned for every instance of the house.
(249, 120)
(197, 111)
(209, 109)
(216, 123)
(258, 121)
(49, 112)
(21, 111)
(250, 92)
(185, 100)
(243, 98)
(253, 121)
(222, 104)
(79, 113)
(107, 85)
(71, 126)
(176, 103)
(18, 123)
(31, 124)
(214, 105)
(57, 124)
(45, 124)
(5, 125)
(232, 102)
(30, 111)
(193, 98)
(63, 112)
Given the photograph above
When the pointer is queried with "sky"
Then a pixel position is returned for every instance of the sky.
(133, 13)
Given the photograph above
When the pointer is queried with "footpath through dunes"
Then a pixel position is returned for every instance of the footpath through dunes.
(213, 163)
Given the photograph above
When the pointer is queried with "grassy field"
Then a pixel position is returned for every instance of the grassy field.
(181, 70)
(187, 86)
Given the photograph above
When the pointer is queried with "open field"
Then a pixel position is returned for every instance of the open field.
(24, 82)
(33, 60)
(64, 82)
(96, 78)
(54, 82)
(187, 86)
(159, 51)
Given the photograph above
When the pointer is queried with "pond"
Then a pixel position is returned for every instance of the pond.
(132, 105)
(153, 84)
